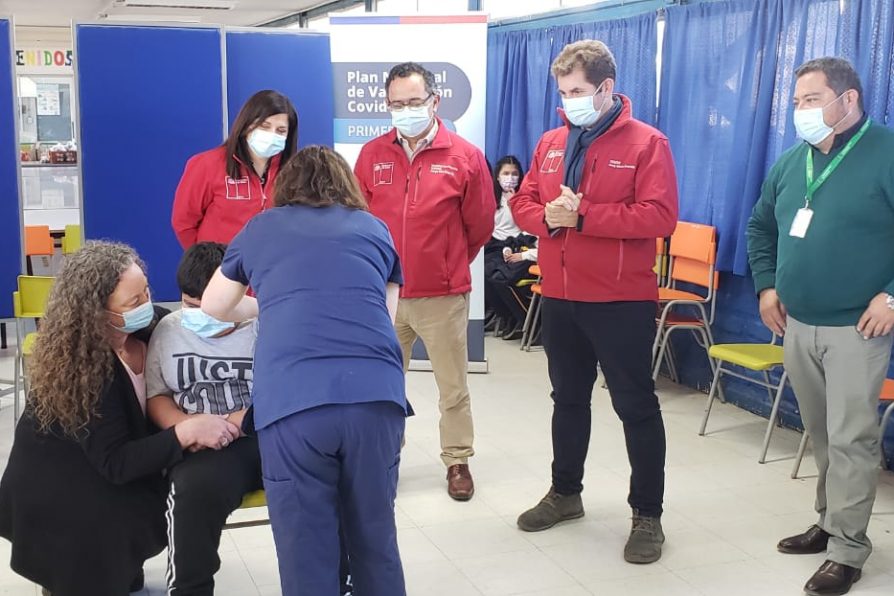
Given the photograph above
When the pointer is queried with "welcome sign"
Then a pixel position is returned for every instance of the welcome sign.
(60, 58)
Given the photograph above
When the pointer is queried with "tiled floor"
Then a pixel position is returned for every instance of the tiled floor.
(725, 512)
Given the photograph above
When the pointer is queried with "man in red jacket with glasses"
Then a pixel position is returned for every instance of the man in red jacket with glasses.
(600, 190)
(434, 190)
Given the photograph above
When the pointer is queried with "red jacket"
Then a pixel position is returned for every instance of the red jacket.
(209, 206)
(439, 208)
(630, 199)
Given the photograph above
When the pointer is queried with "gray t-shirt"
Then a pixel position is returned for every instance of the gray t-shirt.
(204, 376)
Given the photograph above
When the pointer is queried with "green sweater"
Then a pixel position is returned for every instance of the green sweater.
(829, 277)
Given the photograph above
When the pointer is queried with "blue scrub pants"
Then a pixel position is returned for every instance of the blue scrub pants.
(331, 461)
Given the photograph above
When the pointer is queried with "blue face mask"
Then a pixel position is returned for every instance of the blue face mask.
(265, 143)
(411, 122)
(137, 318)
(581, 111)
(203, 325)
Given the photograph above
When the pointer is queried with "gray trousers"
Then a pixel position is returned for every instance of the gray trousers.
(837, 377)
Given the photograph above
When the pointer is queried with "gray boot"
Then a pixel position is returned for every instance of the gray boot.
(646, 538)
(552, 509)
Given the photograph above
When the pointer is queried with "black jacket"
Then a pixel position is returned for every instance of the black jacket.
(84, 514)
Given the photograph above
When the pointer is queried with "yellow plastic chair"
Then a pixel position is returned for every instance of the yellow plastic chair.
(755, 357)
(71, 241)
(29, 302)
(252, 500)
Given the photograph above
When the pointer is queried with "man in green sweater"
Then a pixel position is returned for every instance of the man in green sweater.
(821, 248)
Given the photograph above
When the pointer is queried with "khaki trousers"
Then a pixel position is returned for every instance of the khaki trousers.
(837, 377)
(441, 323)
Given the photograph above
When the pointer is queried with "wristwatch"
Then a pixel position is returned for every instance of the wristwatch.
(889, 299)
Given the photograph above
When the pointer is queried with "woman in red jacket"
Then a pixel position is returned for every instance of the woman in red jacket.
(223, 188)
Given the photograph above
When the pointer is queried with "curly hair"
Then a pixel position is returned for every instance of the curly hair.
(73, 359)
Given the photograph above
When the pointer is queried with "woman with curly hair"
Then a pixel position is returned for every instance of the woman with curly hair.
(82, 499)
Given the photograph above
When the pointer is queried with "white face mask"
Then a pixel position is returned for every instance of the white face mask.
(581, 111)
(811, 126)
(508, 182)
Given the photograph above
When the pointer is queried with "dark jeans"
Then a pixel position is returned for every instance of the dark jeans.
(618, 336)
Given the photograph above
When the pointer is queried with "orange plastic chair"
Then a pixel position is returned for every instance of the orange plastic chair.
(38, 243)
(886, 396)
(693, 250)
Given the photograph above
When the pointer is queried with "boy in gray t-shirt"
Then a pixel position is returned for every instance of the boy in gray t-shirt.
(196, 366)
(203, 375)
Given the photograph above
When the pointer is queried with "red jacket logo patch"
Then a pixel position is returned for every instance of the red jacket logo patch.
(553, 161)
(238, 189)
(383, 173)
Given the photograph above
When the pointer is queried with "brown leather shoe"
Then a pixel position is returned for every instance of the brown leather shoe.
(460, 486)
(813, 541)
(832, 579)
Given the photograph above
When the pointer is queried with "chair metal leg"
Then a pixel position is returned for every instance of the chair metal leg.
(710, 401)
(3, 344)
(670, 358)
(529, 318)
(886, 417)
(665, 339)
(534, 325)
(801, 449)
(774, 415)
(18, 382)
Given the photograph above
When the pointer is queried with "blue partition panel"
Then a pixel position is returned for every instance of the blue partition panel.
(150, 98)
(10, 230)
(295, 64)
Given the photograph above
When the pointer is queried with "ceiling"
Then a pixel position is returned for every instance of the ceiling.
(60, 13)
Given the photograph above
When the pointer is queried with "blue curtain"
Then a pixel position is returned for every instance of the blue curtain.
(866, 38)
(727, 80)
(521, 94)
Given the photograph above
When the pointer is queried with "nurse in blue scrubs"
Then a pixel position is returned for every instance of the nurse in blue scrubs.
(329, 397)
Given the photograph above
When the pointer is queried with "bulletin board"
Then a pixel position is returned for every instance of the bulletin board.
(294, 63)
(10, 225)
(150, 97)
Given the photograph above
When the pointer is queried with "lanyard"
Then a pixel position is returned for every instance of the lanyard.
(813, 185)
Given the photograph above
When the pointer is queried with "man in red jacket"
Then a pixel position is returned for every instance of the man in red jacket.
(434, 191)
(600, 190)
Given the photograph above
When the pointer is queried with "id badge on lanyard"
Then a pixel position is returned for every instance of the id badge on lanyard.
(801, 222)
(804, 216)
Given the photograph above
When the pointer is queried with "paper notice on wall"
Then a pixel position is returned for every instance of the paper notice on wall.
(48, 100)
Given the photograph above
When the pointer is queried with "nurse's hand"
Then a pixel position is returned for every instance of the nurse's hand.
(206, 431)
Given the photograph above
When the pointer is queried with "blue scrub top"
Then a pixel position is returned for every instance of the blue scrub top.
(324, 333)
